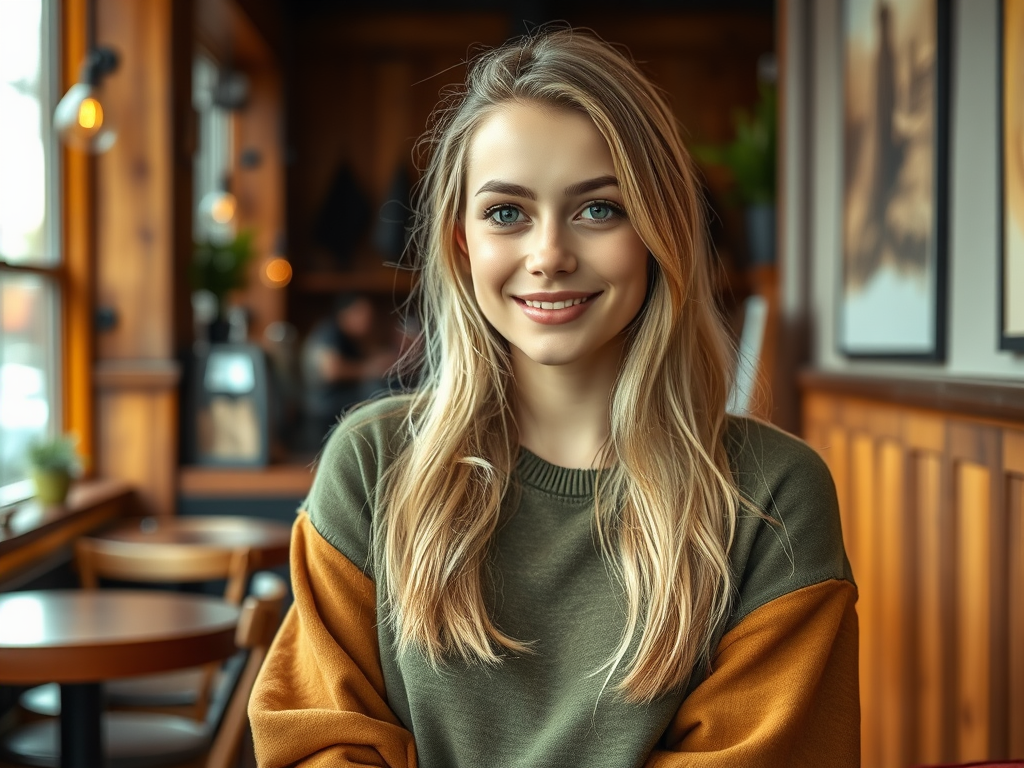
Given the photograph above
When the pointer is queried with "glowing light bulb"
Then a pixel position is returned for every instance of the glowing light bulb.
(90, 114)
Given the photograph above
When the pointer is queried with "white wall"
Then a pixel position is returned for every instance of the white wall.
(973, 256)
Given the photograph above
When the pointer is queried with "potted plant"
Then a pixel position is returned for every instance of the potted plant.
(220, 266)
(751, 161)
(52, 463)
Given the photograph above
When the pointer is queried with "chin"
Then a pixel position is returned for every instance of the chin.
(556, 354)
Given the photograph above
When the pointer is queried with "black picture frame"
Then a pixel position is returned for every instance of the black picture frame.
(1011, 176)
(892, 292)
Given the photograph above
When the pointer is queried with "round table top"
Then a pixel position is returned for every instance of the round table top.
(77, 636)
(268, 538)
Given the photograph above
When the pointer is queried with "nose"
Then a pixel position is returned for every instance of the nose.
(550, 251)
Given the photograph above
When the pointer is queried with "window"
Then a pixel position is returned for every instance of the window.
(29, 237)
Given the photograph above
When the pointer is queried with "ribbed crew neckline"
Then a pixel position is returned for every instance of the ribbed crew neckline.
(562, 481)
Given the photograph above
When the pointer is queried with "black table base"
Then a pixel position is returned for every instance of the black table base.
(81, 727)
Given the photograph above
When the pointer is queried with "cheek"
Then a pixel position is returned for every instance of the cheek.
(488, 265)
(630, 269)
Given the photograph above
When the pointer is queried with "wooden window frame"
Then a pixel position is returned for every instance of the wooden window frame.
(78, 265)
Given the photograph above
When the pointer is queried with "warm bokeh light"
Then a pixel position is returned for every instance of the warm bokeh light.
(277, 272)
(223, 209)
(90, 115)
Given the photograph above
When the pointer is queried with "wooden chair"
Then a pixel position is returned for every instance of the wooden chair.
(98, 558)
(158, 740)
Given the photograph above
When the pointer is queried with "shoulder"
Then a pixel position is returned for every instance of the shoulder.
(789, 536)
(349, 469)
(376, 427)
(765, 460)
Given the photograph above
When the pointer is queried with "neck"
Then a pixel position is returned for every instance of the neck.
(563, 410)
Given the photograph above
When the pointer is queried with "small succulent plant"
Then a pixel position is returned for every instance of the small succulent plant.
(58, 453)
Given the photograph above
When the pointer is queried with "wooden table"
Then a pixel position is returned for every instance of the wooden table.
(79, 638)
(267, 539)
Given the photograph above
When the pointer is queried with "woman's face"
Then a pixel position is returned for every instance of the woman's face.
(557, 268)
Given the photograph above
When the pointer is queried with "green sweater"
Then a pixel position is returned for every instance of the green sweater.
(551, 587)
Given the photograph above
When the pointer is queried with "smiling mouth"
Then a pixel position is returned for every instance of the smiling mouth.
(555, 304)
(555, 308)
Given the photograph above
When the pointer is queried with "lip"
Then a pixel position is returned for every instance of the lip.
(555, 295)
(555, 316)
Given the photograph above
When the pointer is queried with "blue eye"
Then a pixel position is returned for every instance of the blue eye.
(503, 215)
(600, 211)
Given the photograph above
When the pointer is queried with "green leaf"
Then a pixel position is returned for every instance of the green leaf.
(221, 267)
(750, 157)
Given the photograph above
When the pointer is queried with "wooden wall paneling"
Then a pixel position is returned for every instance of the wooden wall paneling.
(981, 679)
(896, 563)
(139, 239)
(1013, 466)
(134, 183)
(935, 611)
(974, 635)
(933, 608)
(864, 510)
(935, 502)
(139, 435)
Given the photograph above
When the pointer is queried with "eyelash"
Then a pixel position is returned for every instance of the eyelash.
(488, 213)
(615, 208)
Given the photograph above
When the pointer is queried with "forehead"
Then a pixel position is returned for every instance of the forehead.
(536, 139)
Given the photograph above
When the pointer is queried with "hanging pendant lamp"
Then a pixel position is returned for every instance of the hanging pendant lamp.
(81, 118)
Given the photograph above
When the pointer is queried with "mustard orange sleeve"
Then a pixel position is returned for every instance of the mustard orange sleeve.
(320, 699)
(783, 691)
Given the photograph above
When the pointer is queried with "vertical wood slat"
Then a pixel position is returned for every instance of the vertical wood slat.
(932, 682)
(934, 615)
(974, 612)
(893, 599)
(863, 508)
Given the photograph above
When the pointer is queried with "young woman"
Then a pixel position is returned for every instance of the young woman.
(560, 550)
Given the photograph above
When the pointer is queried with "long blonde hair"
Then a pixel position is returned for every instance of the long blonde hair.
(668, 533)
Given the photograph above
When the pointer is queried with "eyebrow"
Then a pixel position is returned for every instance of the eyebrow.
(517, 190)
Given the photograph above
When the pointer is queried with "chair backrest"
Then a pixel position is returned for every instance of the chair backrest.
(257, 625)
(98, 558)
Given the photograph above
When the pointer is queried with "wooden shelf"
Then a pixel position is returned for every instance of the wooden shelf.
(282, 480)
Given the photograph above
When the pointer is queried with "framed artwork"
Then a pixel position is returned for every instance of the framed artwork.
(1011, 288)
(892, 298)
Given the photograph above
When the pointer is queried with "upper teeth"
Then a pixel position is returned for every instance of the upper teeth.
(555, 304)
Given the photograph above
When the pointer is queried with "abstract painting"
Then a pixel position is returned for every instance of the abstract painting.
(892, 298)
